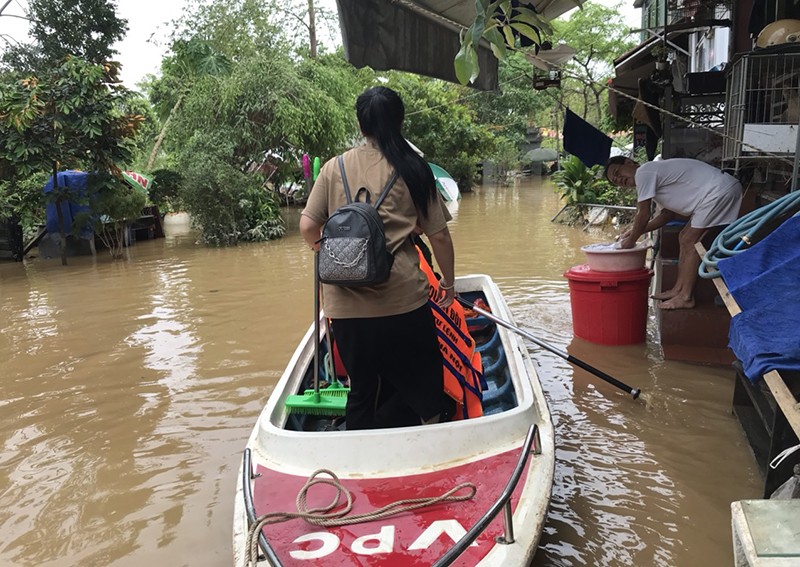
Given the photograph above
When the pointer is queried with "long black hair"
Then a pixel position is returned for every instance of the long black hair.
(380, 113)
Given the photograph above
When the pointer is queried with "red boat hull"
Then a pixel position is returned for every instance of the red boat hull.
(410, 539)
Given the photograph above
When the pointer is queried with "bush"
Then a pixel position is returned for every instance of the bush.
(580, 184)
(165, 189)
(228, 204)
(24, 200)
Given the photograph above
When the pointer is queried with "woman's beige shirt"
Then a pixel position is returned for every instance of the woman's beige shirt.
(407, 287)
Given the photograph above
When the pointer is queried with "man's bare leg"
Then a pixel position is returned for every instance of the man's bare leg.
(668, 294)
(681, 296)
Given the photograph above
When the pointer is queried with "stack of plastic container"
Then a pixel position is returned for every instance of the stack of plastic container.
(609, 295)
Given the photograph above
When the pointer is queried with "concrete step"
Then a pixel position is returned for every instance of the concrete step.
(697, 335)
(704, 290)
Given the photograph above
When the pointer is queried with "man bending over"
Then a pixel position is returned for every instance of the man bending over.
(680, 187)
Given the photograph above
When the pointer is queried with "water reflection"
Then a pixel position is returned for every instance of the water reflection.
(129, 388)
(172, 346)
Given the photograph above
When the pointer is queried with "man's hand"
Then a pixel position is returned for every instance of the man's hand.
(627, 242)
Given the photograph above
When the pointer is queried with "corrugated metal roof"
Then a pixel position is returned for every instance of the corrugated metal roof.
(420, 36)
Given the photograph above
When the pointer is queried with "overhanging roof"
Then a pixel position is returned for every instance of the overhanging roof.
(420, 36)
(638, 63)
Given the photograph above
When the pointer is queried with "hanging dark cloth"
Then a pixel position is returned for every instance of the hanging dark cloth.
(758, 18)
(583, 140)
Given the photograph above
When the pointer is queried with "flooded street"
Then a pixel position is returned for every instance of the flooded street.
(128, 390)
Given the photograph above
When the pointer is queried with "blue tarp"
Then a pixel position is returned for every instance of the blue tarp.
(75, 181)
(764, 282)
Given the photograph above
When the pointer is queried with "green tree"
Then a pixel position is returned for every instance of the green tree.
(22, 199)
(235, 29)
(165, 190)
(512, 111)
(228, 203)
(271, 103)
(268, 106)
(191, 60)
(113, 205)
(71, 117)
(443, 126)
(83, 28)
(311, 17)
(599, 35)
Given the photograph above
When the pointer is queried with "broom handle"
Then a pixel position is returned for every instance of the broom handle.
(316, 327)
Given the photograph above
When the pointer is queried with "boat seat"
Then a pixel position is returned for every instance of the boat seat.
(491, 368)
(492, 343)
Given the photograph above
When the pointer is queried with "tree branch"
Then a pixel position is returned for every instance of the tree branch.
(295, 16)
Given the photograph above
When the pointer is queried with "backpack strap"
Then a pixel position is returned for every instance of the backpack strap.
(389, 185)
(344, 180)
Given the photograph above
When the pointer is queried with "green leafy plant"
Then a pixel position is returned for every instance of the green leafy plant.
(24, 200)
(575, 181)
(659, 52)
(501, 23)
(579, 184)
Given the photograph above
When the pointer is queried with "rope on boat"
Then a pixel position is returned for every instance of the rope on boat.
(326, 516)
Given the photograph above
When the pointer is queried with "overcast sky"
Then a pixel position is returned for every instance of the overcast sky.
(146, 42)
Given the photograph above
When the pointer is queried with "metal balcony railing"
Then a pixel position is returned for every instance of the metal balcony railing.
(762, 106)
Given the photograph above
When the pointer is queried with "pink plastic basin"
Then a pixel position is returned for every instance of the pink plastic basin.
(608, 258)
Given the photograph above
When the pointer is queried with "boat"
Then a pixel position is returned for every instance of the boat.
(490, 477)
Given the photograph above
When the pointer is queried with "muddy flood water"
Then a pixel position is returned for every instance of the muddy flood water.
(128, 389)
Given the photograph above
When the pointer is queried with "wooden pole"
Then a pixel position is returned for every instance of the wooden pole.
(60, 214)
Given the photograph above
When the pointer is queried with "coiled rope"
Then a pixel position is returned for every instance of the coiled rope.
(739, 235)
(326, 516)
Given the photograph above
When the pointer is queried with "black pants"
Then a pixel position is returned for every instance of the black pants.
(395, 370)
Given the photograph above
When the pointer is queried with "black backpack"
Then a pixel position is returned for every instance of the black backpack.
(352, 249)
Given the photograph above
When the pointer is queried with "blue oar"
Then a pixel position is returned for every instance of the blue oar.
(568, 357)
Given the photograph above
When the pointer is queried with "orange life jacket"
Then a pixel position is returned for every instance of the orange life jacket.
(463, 370)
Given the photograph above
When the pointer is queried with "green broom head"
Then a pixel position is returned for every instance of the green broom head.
(330, 401)
(335, 388)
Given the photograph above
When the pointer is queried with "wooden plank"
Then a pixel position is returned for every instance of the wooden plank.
(34, 241)
(727, 298)
(786, 400)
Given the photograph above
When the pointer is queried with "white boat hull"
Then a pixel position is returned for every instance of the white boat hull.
(382, 466)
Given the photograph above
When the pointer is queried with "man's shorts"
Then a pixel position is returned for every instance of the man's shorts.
(718, 208)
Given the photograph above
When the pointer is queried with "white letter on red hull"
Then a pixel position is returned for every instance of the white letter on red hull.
(382, 542)
(450, 527)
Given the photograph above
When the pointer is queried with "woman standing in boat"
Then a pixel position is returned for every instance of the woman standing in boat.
(386, 333)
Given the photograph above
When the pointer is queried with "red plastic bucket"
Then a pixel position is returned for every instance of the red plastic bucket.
(609, 308)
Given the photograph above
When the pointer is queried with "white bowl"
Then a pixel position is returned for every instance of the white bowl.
(607, 257)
